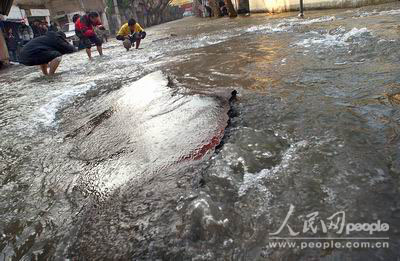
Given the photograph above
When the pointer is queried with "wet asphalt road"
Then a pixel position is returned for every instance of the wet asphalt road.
(142, 155)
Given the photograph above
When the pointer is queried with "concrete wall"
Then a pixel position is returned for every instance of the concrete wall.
(29, 2)
(70, 7)
(27, 5)
(58, 7)
(293, 5)
(94, 5)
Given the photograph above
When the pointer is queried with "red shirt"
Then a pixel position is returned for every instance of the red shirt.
(85, 26)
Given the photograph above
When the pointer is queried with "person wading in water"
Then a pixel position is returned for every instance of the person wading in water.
(131, 33)
(46, 51)
(84, 28)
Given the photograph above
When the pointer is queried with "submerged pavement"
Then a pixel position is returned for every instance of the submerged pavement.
(144, 155)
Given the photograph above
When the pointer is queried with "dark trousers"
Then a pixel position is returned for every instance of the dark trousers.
(13, 55)
(120, 38)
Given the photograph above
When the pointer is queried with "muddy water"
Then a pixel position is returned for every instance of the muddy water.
(142, 155)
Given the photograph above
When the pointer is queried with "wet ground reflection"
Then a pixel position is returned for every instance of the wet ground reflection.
(122, 162)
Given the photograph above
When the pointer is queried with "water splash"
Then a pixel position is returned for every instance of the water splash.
(288, 25)
(337, 37)
(47, 113)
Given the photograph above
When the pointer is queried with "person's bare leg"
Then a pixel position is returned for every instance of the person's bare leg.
(137, 43)
(89, 53)
(54, 65)
(43, 67)
(100, 50)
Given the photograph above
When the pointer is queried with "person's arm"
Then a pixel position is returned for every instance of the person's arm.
(124, 31)
(98, 23)
(139, 28)
(85, 30)
(88, 32)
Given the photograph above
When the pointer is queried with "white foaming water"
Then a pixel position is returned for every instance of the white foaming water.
(288, 24)
(390, 12)
(268, 28)
(355, 33)
(340, 39)
(47, 113)
(375, 12)
(206, 40)
(330, 194)
(207, 218)
(251, 180)
(297, 21)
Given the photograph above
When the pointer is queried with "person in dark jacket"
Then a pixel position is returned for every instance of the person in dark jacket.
(46, 51)
(76, 18)
(53, 27)
(44, 27)
(37, 29)
(84, 29)
(12, 45)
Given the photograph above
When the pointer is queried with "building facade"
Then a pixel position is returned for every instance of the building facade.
(274, 6)
(18, 19)
(185, 4)
(62, 11)
(277, 6)
(27, 11)
(24, 13)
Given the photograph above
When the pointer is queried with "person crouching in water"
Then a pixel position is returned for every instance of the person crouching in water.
(131, 32)
(46, 51)
(84, 28)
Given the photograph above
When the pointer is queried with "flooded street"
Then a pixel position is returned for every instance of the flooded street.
(150, 155)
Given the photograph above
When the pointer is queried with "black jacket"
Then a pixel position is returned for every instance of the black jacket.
(37, 31)
(53, 28)
(42, 45)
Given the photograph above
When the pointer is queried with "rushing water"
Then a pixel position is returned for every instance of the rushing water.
(145, 155)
